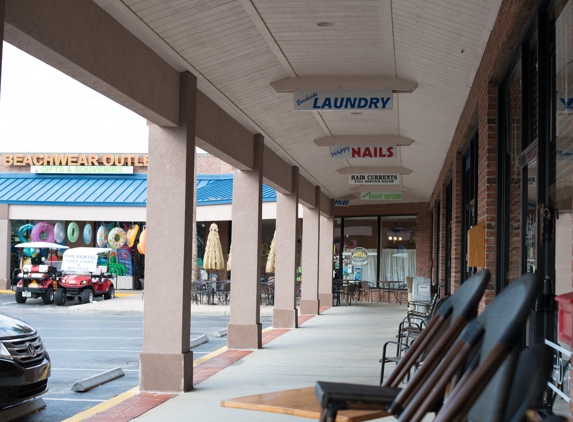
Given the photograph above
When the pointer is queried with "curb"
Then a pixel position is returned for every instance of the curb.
(91, 382)
(220, 333)
(198, 341)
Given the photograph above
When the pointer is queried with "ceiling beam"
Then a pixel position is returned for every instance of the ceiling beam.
(375, 169)
(381, 188)
(345, 83)
(364, 140)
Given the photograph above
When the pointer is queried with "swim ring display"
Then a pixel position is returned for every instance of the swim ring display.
(116, 238)
(43, 232)
(59, 233)
(142, 241)
(73, 232)
(30, 251)
(132, 235)
(24, 231)
(88, 234)
(101, 238)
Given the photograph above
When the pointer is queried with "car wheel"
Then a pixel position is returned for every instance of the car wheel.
(20, 298)
(48, 296)
(60, 296)
(110, 294)
(87, 296)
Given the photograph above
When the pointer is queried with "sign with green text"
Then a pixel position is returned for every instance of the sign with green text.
(381, 196)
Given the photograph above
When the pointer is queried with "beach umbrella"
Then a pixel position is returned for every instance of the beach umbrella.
(271, 257)
(213, 259)
(229, 258)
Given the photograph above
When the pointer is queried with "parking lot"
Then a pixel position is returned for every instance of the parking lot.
(82, 345)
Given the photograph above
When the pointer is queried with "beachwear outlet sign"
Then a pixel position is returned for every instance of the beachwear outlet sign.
(374, 179)
(74, 160)
(332, 100)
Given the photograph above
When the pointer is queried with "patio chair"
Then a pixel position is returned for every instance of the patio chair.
(366, 290)
(351, 292)
(223, 292)
(492, 337)
(405, 341)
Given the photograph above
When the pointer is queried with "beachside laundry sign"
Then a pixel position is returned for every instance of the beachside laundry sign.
(332, 100)
(374, 179)
(359, 151)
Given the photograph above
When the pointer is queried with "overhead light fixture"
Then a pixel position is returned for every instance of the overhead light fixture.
(323, 24)
(395, 239)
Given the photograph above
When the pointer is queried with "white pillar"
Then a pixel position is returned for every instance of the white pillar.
(5, 233)
(245, 331)
(166, 361)
(309, 303)
(326, 260)
(285, 312)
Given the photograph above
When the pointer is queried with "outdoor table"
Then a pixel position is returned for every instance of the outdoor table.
(387, 285)
(298, 402)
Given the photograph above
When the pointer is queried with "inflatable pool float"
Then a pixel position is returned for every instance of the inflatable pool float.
(59, 233)
(43, 232)
(132, 235)
(73, 232)
(24, 231)
(142, 241)
(88, 234)
(101, 238)
(116, 238)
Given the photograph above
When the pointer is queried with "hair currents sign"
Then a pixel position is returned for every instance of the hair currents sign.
(332, 100)
(374, 179)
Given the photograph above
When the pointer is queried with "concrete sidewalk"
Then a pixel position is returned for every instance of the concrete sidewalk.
(342, 344)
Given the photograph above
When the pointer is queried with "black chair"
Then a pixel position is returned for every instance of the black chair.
(454, 313)
(406, 340)
(223, 292)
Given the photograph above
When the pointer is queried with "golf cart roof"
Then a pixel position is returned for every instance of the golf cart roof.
(87, 251)
(40, 245)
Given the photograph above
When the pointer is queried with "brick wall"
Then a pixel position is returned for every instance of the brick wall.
(209, 164)
(480, 112)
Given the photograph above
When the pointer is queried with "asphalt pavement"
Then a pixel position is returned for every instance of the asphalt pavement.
(84, 340)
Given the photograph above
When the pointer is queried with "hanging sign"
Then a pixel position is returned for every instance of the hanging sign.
(374, 179)
(341, 203)
(332, 100)
(360, 151)
(381, 196)
(82, 169)
(359, 254)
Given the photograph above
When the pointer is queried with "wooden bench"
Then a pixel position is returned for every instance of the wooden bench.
(298, 402)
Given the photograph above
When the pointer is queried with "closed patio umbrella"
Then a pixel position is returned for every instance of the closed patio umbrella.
(229, 258)
(213, 259)
(271, 258)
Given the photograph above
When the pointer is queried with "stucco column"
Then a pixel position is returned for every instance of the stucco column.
(5, 232)
(244, 330)
(326, 254)
(309, 303)
(285, 312)
(166, 363)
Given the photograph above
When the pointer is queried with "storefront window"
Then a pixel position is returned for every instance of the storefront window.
(360, 249)
(398, 248)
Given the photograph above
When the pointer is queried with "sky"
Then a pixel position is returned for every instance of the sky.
(43, 110)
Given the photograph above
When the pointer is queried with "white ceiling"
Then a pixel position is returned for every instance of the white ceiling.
(236, 48)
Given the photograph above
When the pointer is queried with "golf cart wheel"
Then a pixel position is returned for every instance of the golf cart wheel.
(20, 298)
(110, 294)
(87, 296)
(48, 296)
(60, 296)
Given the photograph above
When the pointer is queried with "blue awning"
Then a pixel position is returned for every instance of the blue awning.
(109, 191)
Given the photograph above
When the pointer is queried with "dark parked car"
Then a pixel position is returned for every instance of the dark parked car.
(24, 363)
